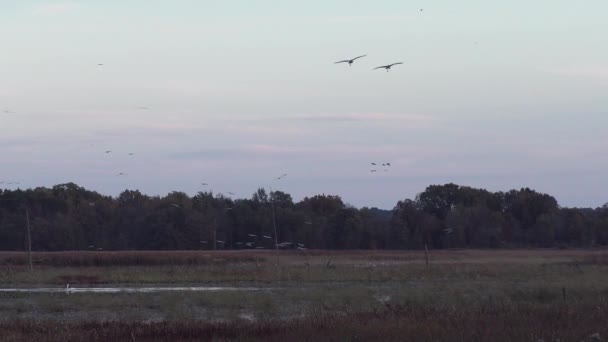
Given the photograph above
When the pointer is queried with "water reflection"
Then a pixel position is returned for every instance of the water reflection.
(129, 289)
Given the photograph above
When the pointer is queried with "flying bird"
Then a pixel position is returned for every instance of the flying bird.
(131, 154)
(252, 235)
(281, 176)
(108, 151)
(373, 163)
(372, 170)
(350, 61)
(99, 64)
(387, 67)
(204, 184)
(388, 164)
(231, 193)
(122, 174)
(144, 108)
(175, 205)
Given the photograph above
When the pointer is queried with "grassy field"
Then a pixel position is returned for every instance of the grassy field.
(464, 295)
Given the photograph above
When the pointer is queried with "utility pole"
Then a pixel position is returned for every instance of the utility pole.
(215, 234)
(29, 239)
(29, 233)
(426, 255)
(274, 224)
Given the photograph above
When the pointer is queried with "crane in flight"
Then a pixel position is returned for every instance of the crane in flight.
(387, 67)
(350, 61)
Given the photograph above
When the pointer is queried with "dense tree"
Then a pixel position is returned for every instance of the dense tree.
(69, 217)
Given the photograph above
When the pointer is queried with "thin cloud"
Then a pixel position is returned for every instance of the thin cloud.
(307, 153)
(361, 117)
(362, 19)
(582, 71)
(55, 8)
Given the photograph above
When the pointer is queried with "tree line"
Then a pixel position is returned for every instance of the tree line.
(69, 217)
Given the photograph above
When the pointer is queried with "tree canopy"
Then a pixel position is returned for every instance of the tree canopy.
(69, 217)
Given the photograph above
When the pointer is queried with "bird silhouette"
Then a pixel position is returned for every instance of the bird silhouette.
(350, 61)
(387, 67)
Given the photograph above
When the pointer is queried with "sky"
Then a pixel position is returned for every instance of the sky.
(234, 93)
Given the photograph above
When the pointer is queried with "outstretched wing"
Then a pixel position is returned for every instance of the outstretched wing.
(380, 67)
(395, 64)
(344, 61)
(359, 57)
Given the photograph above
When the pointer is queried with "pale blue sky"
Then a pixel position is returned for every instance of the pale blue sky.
(494, 95)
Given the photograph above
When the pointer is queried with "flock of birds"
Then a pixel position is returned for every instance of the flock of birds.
(351, 61)
(255, 244)
(385, 166)
(250, 244)
(9, 183)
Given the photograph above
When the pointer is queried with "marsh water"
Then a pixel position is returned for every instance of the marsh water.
(129, 289)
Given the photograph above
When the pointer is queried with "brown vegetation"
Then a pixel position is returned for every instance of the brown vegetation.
(153, 258)
(516, 323)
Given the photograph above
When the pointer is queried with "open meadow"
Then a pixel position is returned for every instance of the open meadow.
(502, 295)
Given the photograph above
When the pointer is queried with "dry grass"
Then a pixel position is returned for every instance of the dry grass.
(124, 258)
(465, 295)
(152, 258)
(516, 323)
